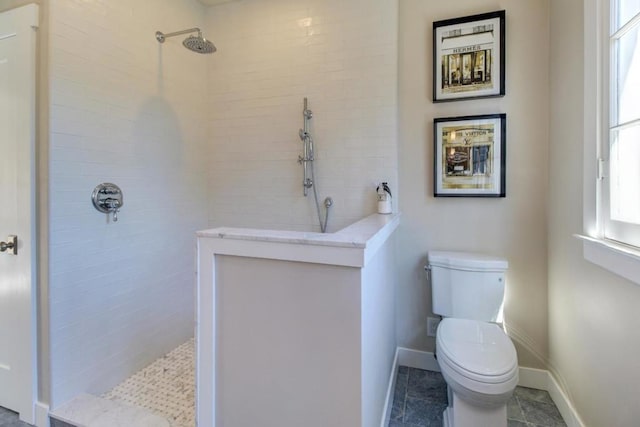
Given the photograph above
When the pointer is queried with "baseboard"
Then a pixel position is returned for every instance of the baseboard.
(41, 411)
(543, 380)
(533, 378)
(539, 379)
(563, 403)
(412, 359)
(417, 359)
(386, 412)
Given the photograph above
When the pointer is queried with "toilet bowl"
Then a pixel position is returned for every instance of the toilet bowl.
(476, 357)
(480, 365)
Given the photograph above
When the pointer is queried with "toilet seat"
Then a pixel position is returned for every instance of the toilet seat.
(479, 352)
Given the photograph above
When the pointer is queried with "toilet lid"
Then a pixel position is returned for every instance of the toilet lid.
(478, 349)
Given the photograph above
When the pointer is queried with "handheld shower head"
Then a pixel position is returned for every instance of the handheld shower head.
(306, 112)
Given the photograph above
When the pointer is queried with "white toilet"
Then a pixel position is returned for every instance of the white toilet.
(477, 359)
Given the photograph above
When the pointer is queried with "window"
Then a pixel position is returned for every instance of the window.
(611, 196)
(619, 213)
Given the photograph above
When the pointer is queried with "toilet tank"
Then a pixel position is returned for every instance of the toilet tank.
(467, 285)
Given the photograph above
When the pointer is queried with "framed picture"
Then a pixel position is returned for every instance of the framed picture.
(469, 156)
(469, 57)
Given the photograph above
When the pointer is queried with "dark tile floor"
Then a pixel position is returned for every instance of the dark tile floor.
(58, 423)
(10, 419)
(420, 398)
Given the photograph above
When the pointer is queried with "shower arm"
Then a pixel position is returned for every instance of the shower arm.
(160, 36)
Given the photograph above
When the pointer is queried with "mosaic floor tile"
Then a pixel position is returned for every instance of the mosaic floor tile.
(166, 387)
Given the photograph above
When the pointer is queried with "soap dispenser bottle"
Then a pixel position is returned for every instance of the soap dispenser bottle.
(384, 198)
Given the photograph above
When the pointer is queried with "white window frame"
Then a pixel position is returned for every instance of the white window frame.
(621, 259)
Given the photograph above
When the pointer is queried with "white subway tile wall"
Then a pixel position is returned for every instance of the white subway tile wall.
(126, 110)
(197, 141)
(340, 54)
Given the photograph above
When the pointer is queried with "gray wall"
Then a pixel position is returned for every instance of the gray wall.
(514, 227)
(594, 327)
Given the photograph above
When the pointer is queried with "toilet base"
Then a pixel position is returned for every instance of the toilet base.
(462, 414)
(447, 417)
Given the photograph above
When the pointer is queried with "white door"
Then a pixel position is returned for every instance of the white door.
(17, 207)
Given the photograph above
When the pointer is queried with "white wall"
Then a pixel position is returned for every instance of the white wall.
(514, 227)
(594, 327)
(268, 59)
(124, 110)
(289, 346)
(378, 324)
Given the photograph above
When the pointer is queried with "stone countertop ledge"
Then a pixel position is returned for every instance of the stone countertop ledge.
(352, 246)
(355, 235)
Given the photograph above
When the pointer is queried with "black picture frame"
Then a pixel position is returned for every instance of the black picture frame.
(469, 156)
(469, 57)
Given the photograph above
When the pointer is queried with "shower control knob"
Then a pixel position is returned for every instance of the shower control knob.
(11, 245)
(112, 204)
(107, 198)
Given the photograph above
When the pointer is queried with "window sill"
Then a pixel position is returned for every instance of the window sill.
(617, 258)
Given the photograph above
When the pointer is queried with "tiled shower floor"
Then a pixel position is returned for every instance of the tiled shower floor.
(166, 387)
(420, 398)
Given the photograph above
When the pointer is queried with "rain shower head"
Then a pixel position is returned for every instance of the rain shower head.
(199, 44)
(194, 43)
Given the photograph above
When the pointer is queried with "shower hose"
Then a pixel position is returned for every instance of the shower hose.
(327, 203)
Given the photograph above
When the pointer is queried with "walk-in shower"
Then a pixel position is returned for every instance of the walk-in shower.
(307, 158)
(197, 43)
